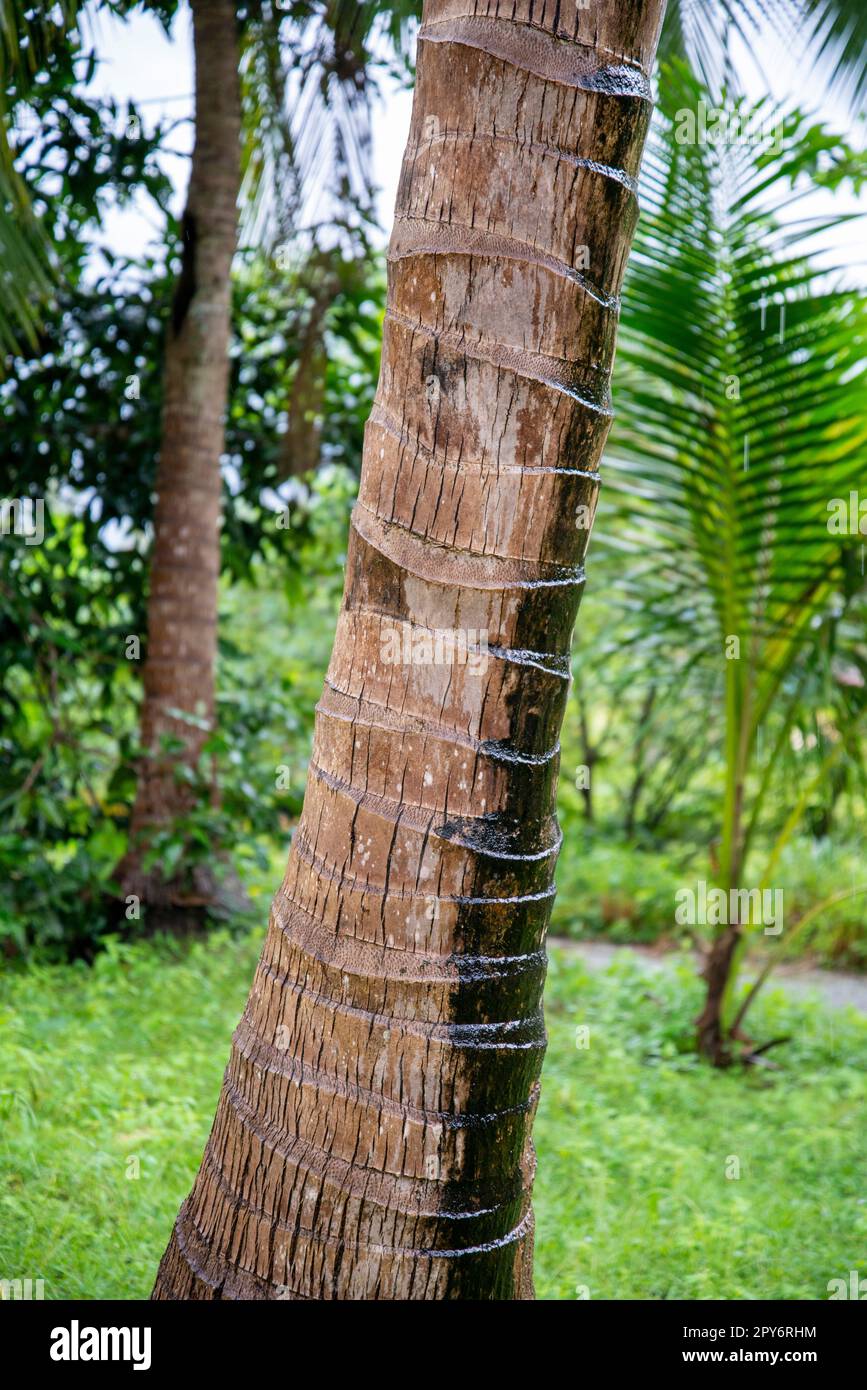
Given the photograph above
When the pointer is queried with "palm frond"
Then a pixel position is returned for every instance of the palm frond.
(28, 36)
(837, 34)
(742, 377)
(308, 75)
(829, 35)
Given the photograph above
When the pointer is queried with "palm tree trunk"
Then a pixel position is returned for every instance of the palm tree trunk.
(372, 1138)
(712, 1039)
(182, 606)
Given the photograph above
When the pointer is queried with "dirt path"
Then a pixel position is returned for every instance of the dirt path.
(838, 988)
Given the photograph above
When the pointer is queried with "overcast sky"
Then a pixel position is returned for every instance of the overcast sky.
(139, 62)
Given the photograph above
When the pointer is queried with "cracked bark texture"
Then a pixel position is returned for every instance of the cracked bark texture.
(180, 662)
(373, 1134)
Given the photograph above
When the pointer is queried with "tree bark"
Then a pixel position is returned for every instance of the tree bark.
(180, 662)
(372, 1138)
(301, 445)
(712, 1040)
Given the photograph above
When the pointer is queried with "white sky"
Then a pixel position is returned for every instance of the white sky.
(138, 62)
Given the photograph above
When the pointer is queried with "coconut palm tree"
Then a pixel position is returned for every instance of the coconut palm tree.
(741, 420)
(249, 146)
(372, 1138)
(182, 605)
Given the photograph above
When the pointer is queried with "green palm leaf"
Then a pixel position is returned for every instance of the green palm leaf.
(740, 398)
(28, 34)
(830, 34)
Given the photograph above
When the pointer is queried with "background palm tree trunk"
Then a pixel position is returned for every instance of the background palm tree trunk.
(372, 1138)
(182, 606)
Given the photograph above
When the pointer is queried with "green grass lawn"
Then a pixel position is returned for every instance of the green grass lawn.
(109, 1076)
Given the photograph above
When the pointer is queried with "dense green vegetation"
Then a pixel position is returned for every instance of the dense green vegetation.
(108, 1091)
(614, 878)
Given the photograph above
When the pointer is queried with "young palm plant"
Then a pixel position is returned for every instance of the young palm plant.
(740, 421)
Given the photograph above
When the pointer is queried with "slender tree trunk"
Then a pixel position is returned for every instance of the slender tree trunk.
(639, 767)
(182, 606)
(713, 1042)
(722, 959)
(589, 753)
(372, 1139)
(301, 445)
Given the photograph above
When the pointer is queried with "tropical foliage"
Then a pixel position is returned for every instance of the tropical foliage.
(742, 366)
